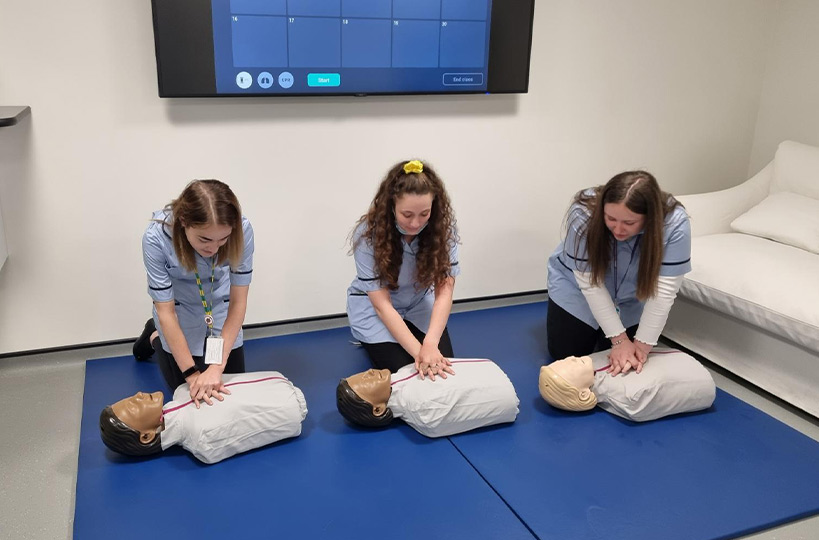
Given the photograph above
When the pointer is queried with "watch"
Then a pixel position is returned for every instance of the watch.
(190, 371)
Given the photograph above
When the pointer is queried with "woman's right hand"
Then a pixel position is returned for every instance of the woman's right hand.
(623, 357)
(207, 385)
(431, 362)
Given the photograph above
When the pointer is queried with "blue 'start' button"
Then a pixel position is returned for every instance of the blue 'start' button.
(323, 79)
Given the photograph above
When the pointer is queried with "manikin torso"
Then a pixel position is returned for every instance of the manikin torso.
(671, 382)
(263, 407)
(479, 394)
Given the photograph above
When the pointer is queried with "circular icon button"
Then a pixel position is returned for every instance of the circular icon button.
(265, 79)
(285, 79)
(244, 80)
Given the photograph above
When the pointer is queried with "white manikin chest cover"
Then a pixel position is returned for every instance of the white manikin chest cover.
(479, 394)
(671, 382)
(263, 407)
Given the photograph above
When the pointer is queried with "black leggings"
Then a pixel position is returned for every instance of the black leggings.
(569, 336)
(173, 375)
(392, 356)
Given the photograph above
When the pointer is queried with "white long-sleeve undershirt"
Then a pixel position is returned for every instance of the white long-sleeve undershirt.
(655, 311)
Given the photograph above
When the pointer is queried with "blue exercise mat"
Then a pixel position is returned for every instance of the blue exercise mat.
(728, 471)
(334, 481)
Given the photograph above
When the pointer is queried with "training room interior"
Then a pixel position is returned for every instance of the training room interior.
(699, 92)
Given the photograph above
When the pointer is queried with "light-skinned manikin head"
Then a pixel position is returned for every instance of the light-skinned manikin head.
(362, 398)
(131, 426)
(566, 384)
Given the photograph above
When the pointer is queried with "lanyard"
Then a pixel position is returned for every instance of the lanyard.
(631, 260)
(208, 309)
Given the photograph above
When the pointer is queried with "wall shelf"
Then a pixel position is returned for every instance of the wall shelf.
(12, 115)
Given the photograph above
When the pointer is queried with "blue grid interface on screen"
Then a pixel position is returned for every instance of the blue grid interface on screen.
(350, 46)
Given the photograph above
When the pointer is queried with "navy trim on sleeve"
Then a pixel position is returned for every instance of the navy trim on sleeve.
(366, 279)
(160, 288)
(688, 260)
(564, 264)
(241, 273)
(455, 263)
(358, 294)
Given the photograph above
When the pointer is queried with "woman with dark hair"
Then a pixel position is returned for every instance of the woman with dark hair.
(614, 277)
(406, 256)
(198, 254)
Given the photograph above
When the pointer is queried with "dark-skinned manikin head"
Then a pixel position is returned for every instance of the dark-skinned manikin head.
(131, 426)
(362, 398)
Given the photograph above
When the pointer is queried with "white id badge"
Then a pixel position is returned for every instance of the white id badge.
(213, 350)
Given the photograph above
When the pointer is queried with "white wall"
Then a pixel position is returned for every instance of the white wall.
(789, 109)
(666, 85)
(3, 250)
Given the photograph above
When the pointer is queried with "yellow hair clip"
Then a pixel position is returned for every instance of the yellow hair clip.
(413, 166)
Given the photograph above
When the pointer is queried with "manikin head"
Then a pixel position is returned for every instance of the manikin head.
(362, 398)
(131, 426)
(566, 384)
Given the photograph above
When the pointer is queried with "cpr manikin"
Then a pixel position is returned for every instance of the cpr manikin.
(263, 407)
(480, 394)
(671, 382)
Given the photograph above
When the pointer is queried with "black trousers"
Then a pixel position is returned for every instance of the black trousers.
(235, 363)
(569, 336)
(392, 356)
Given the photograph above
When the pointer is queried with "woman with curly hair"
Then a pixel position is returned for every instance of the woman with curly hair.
(406, 256)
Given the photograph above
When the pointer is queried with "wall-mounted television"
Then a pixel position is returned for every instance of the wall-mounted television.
(212, 48)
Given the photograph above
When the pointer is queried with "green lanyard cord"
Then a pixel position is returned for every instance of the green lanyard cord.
(208, 309)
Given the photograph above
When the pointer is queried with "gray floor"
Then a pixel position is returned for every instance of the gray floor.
(41, 403)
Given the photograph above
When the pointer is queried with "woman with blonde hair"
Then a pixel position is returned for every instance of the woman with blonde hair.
(198, 254)
(614, 277)
(406, 256)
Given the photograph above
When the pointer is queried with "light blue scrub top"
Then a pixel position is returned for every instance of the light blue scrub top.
(168, 280)
(621, 277)
(412, 304)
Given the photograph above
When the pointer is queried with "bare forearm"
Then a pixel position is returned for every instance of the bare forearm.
(441, 309)
(235, 318)
(174, 337)
(399, 330)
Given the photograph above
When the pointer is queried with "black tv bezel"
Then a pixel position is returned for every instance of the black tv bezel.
(184, 28)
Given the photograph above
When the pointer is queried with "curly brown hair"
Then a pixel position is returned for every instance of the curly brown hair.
(641, 194)
(434, 242)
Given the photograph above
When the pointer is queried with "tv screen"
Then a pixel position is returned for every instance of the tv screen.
(208, 48)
